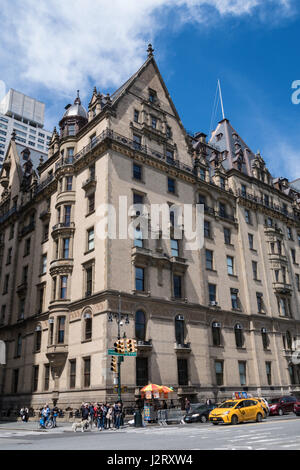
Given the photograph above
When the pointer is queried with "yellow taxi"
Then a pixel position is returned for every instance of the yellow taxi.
(237, 411)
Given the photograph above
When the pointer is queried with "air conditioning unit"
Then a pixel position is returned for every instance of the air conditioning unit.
(180, 317)
(216, 325)
(213, 303)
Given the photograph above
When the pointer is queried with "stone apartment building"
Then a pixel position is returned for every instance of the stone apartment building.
(207, 322)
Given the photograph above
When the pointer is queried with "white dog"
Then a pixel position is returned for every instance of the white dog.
(81, 425)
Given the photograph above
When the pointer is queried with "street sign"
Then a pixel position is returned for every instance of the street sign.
(112, 352)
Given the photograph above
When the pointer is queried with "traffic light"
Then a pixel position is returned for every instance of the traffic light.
(131, 345)
(120, 346)
(113, 364)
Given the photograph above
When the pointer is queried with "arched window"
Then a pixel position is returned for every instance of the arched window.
(38, 338)
(265, 339)
(216, 333)
(140, 325)
(179, 329)
(88, 326)
(289, 340)
(239, 337)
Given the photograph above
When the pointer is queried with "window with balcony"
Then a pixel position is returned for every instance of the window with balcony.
(140, 325)
(174, 247)
(234, 299)
(71, 129)
(182, 367)
(67, 216)
(177, 286)
(69, 183)
(61, 330)
(91, 203)
(222, 210)
(179, 329)
(142, 373)
(136, 116)
(140, 279)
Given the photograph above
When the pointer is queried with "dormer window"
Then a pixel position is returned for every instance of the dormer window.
(152, 96)
(71, 129)
(219, 137)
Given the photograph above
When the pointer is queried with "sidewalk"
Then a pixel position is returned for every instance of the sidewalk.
(32, 426)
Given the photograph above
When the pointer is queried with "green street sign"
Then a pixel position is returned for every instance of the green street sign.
(112, 352)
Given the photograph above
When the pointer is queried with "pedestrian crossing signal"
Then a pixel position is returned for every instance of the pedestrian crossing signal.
(113, 364)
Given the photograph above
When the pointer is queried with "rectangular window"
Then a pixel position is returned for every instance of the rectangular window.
(182, 367)
(15, 380)
(234, 299)
(91, 203)
(54, 288)
(222, 210)
(66, 248)
(35, 378)
(254, 270)
(269, 372)
(19, 346)
(6, 283)
(44, 264)
(9, 253)
(86, 372)
(293, 254)
(212, 292)
(25, 275)
(136, 116)
(222, 182)
(174, 247)
(71, 129)
(142, 375)
(137, 142)
(139, 279)
(11, 231)
(168, 132)
(90, 239)
(153, 122)
(230, 265)
(63, 287)
(171, 185)
(21, 309)
(92, 172)
(259, 300)
(89, 281)
(297, 281)
(209, 259)
(2, 316)
(138, 238)
(177, 281)
(46, 377)
(72, 370)
(250, 238)
(202, 174)
(69, 182)
(247, 216)
(227, 236)
(41, 296)
(67, 216)
(27, 247)
(289, 233)
(170, 156)
(207, 229)
(137, 172)
(242, 372)
(219, 372)
(152, 96)
(45, 232)
(61, 330)
(243, 190)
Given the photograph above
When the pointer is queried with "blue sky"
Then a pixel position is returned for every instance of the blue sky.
(52, 48)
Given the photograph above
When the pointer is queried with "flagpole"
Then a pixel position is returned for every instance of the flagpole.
(221, 99)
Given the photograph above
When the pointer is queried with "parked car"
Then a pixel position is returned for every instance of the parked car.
(198, 413)
(282, 405)
(297, 408)
(237, 411)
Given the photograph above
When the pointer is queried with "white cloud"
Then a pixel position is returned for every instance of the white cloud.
(67, 44)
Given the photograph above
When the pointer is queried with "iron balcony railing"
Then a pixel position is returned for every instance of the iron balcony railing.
(263, 202)
(44, 183)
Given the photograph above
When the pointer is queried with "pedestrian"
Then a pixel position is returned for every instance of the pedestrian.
(91, 410)
(187, 405)
(55, 411)
(208, 402)
(110, 417)
(26, 415)
(99, 417)
(117, 414)
(165, 406)
(22, 414)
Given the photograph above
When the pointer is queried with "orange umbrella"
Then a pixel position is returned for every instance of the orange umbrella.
(166, 389)
(151, 388)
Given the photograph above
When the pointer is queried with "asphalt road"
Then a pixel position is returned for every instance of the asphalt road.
(276, 433)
